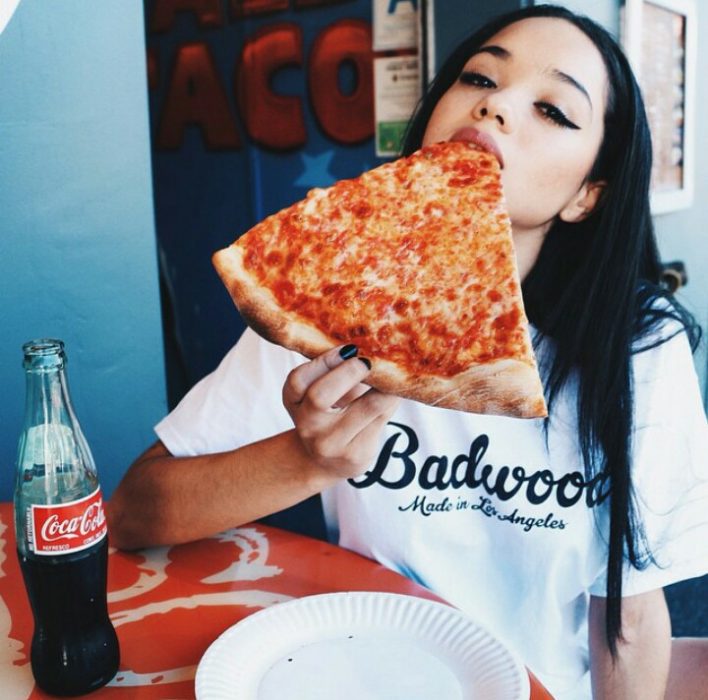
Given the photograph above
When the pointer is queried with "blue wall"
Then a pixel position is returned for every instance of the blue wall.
(77, 256)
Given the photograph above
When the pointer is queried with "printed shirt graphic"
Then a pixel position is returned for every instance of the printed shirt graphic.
(487, 520)
(492, 513)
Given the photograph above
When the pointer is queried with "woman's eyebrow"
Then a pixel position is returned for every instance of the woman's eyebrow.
(497, 51)
(570, 80)
(505, 54)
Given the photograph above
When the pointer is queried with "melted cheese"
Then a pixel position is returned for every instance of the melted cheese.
(412, 261)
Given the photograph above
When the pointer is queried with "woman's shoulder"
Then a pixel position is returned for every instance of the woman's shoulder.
(665, 378)
(660, 320)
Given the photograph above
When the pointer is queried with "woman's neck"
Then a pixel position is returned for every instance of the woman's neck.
(527, 244)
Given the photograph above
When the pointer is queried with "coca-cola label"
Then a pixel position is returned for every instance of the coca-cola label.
(67, 527)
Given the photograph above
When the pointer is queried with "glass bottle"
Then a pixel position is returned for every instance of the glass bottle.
(61, 530)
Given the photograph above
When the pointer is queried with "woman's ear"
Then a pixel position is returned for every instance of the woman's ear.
(583, 203)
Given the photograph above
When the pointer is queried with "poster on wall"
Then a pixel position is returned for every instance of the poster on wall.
(397, 81)
(395, 24)
(659, 37)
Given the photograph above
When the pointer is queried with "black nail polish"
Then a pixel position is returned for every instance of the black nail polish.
(366, 361)
(348, 351)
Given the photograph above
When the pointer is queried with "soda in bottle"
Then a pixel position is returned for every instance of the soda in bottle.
(61, 530)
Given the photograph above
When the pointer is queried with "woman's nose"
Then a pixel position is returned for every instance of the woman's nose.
(494, 109)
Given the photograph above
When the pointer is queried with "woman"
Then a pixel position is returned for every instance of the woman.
(557, 535)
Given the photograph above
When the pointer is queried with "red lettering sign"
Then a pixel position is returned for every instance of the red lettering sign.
(244, 8)
(196, 96)
(207, 12)
(318, 3)
(346, 118)
(152, 68)
(273, 120)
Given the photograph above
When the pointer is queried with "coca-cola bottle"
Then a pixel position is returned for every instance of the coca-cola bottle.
(61, 530)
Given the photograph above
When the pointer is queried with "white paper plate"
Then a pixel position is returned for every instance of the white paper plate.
(359, 646)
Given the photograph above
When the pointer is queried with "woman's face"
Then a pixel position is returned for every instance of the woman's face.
(535, 94)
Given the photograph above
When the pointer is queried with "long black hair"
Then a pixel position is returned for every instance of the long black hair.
(594, 288)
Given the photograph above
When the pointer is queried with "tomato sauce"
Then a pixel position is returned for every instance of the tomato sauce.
(318, 267)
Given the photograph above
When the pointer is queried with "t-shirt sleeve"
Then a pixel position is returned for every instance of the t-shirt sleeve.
(239, 403)
(669, 469)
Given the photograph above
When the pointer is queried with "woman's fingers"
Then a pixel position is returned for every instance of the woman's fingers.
(371, 409)
(346, 443)
(368, 438)
(352, 395)
(325, 380)
(337, 418)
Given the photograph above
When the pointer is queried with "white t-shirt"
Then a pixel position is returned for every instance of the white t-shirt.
(493, 514)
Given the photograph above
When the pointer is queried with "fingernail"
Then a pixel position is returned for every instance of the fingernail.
(348, 351)
(366, 361)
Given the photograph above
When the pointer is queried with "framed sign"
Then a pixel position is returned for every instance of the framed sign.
(659, 37)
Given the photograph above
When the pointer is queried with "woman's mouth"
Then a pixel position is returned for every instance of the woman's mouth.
(481, 139)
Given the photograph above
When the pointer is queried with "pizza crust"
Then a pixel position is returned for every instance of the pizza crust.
(260, 310)
(504, 387)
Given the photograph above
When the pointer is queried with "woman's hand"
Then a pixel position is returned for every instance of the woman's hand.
(338, 420)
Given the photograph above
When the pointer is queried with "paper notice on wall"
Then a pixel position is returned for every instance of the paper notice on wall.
(395, 24)
(397, 91)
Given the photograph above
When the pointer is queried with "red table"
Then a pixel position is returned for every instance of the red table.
(169, 603)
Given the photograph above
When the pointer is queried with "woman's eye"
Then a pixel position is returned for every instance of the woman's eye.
(552, 113)
(469, 77)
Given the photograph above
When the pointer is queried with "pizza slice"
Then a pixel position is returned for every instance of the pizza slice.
(414, 263)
